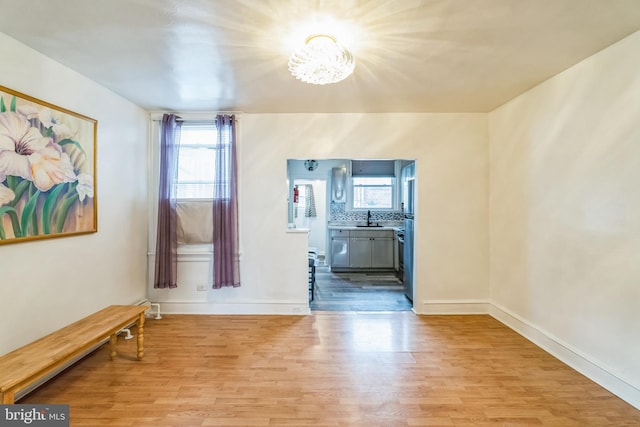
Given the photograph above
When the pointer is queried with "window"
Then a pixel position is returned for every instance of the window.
(196, 161)
(373, 192)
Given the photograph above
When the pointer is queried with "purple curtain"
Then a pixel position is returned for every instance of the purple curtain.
(166, 238)
(226, 265)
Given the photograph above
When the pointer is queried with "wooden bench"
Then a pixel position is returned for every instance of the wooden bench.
(33, 361)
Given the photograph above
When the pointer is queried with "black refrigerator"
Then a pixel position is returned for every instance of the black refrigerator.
(408, 180)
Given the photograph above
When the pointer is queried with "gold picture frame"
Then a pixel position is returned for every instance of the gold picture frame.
(47, 170)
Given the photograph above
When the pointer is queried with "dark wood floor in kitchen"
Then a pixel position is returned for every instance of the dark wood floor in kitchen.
(358, 291)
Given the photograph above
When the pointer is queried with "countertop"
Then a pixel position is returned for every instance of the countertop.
(297, 230)
(355, 227)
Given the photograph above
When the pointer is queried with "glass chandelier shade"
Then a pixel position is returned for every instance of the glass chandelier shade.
(322, 60)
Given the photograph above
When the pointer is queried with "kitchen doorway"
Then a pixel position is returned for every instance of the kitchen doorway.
(353, 211)
(359, 291)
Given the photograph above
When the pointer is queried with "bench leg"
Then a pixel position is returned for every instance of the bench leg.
(112, 346)
(7, 397)
(141, 336)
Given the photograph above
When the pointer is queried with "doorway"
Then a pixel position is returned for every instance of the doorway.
(374, 286)
(310, 211)
(375, 291)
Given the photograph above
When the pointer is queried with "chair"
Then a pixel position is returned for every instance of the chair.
(313, 259)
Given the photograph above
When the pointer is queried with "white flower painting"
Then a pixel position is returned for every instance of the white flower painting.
(47, 170)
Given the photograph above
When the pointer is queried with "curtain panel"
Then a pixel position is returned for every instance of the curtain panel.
(226, 264)
(310, 202)
(166, 260)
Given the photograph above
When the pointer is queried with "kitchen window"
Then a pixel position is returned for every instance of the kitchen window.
(373, 185)
(373, 192)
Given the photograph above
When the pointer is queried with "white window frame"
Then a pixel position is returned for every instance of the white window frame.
(208, 126)
(395, 204)
(354, 186)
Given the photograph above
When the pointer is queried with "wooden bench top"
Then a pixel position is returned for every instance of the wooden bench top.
(27, 362)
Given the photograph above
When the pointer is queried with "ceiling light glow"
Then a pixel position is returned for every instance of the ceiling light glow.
(322, 60)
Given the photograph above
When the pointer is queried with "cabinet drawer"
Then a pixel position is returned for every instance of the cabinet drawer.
(372, 233)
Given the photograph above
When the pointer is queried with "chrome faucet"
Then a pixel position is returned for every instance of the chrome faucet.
(368, 218)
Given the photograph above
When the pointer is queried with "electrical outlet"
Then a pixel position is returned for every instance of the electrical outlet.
(201, 287)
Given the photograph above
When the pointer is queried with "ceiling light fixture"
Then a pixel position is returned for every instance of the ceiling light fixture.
(322, 60)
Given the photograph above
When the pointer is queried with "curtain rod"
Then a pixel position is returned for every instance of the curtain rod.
(193, 117)
(192, 120)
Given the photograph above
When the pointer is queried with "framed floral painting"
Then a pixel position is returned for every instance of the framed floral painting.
(47, 170)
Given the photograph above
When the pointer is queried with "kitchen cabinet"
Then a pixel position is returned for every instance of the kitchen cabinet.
(362, 249)
(382, 251)
(371, 249)
(360, 252)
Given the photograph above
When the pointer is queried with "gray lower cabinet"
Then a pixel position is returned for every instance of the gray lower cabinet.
(382, 252)
(360, 252)
(362, 249)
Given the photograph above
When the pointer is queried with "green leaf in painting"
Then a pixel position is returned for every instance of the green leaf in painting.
(3, 108)
(64, 210)
(47, 208)
(12, 181)
(28, 215)
(13, 215)
(13, 105)
(71, 141)
(19, 191)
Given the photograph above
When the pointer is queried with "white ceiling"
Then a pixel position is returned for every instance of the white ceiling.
(231, 55)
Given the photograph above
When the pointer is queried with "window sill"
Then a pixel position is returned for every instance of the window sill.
(195, 249)
(192, 253)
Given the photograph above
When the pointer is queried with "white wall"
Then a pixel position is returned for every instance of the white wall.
(565, 215)
(47, 284)
(452, 213)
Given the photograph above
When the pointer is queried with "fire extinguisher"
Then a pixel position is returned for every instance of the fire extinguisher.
(296, 194)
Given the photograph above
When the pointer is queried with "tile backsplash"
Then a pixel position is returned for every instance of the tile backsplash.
(338, 214)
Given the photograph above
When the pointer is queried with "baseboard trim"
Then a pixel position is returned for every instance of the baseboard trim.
(452, 307)
(257, 308)
(593, 370)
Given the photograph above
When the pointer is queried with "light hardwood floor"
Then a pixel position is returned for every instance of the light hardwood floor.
(331, 369)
